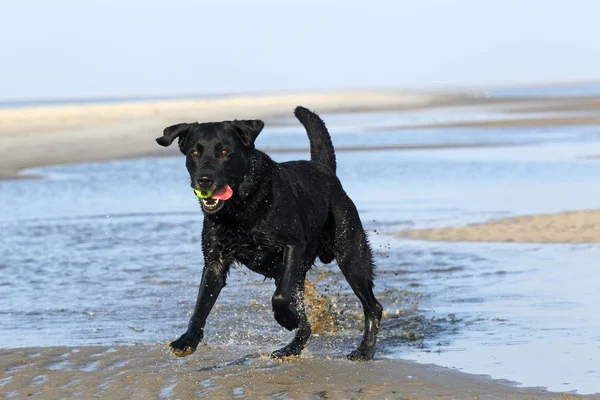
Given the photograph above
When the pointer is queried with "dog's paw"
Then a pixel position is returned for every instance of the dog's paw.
(361, 354)
(290, 350)
(185, 345)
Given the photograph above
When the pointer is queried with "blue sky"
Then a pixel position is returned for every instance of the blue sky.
(94, 48)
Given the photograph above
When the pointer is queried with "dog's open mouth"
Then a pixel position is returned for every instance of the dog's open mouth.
(214, 201)
(212, 205)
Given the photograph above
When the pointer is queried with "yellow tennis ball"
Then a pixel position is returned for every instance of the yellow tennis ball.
(203, 194)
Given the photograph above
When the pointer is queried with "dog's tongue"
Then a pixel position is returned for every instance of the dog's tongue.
(224, 193)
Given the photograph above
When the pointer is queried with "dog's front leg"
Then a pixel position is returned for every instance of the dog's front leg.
(213, 280)
(283, 306)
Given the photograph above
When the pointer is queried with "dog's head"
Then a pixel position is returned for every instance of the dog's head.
(217, 156)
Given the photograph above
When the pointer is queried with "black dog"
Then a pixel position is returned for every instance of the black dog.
(276, 219)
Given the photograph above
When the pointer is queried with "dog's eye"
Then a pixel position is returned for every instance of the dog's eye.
(195, 153)
(225, 152)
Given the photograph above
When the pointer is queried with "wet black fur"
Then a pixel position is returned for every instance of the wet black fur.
(281, 217)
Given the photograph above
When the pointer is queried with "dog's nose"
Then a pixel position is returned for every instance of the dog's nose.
(205, 181)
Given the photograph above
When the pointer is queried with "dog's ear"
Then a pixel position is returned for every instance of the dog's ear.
(248, 129)
(173, 131)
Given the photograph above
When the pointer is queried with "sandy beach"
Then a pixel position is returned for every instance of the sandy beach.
(149, 371)
(541, 121)
(48, 135)
(95, 132)
(566, 227)
(523, 112)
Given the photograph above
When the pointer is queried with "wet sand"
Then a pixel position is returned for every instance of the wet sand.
(147, 372)
(523, 112)
(568, 227)
(545, 121)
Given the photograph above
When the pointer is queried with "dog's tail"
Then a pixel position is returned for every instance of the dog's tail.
(321, 148)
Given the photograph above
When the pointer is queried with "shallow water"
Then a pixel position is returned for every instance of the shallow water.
(109, 253)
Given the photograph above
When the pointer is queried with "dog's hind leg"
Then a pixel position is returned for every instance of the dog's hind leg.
(295, 347)
(354, 256)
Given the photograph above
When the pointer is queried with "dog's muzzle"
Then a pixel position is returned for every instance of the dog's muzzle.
(212, 205)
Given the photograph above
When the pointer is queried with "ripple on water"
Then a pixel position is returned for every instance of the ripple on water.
(64, 365)
(4, 381)
(89, 367)
(167, 391)
(117, 364)
(39, 380)
(447, 270)
(15, 368)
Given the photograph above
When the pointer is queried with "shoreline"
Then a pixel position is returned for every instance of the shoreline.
(542, 122)
(567, 227)
(42, 135)
(171, 152)
(64, 134)
(148, 371)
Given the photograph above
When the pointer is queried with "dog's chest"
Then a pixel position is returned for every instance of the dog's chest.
(256, 251)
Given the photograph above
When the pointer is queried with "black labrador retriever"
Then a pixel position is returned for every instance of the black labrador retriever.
(276, 219)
